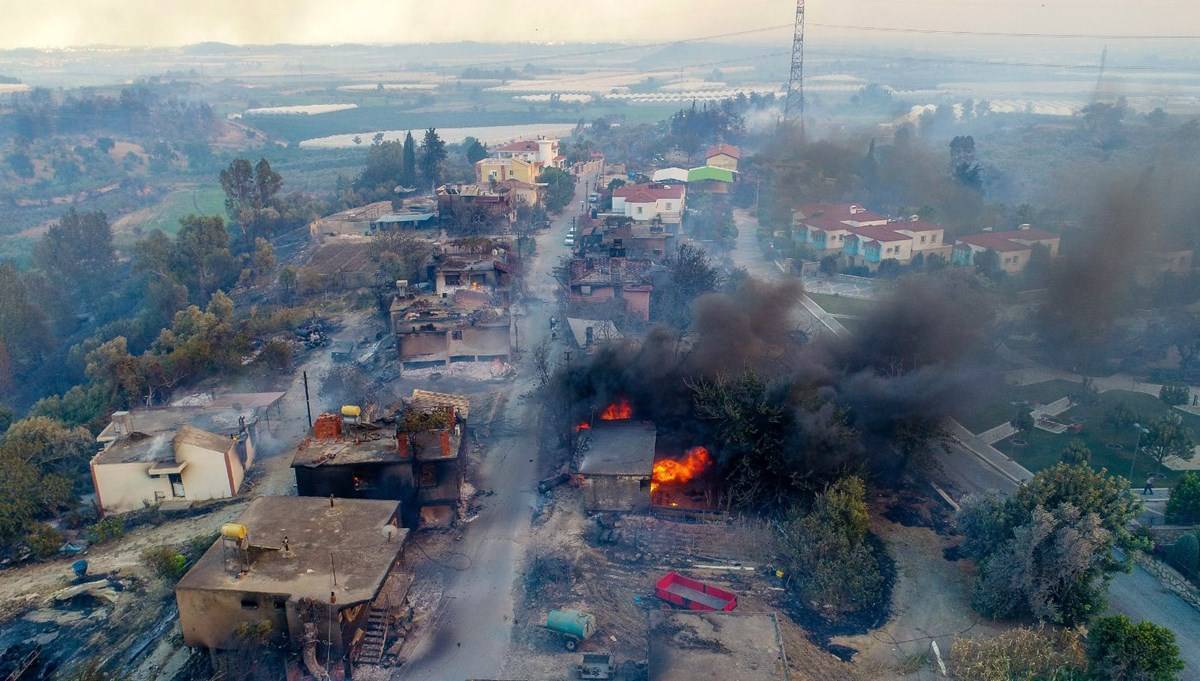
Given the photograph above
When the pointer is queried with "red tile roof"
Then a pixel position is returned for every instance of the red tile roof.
(727, 149)
(880, 233)
(648, 193)
(915, 226)
(1008, 241)
(521, 145)
(839, 212)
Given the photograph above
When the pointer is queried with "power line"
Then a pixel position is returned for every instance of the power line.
(1006, 34)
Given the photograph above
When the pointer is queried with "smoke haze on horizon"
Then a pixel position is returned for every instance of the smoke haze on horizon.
(66, 23)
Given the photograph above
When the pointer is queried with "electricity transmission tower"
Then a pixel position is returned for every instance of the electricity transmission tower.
(793, 107)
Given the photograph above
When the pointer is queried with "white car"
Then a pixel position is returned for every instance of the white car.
(569, 241)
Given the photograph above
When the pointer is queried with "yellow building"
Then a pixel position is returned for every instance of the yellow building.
(723, 156)
(500, 169)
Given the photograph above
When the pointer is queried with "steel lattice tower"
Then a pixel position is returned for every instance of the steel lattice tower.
(793, 108)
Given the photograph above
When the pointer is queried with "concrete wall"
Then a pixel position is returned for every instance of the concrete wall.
(209, 619)
(637, 303)
(124, 487)
(416, 345)
(616, 493)
(209, 475)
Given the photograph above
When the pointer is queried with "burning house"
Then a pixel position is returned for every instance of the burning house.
(617, 463)
(317, 575)
(417, 459)
(437, 330)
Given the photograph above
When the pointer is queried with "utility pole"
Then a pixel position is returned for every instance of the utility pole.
(793, 107)
(307, 404)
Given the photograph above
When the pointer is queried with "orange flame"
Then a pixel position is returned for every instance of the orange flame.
(583, 425)
(679, 471)
(617, 411)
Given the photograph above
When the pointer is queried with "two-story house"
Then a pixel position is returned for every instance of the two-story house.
(1014, 247)
(650, 202)
(823, 227)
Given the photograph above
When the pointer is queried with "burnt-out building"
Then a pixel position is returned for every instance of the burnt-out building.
(314, 575)
(416, 460)
(715, 646)
(438, 330)
(617, 464)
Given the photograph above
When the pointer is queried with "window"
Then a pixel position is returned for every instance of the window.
(922, 238)
(585, 290)
(428, 477)
(249, 603)
(279, 602)
(639, 210)
(644, 483)
(456, 334)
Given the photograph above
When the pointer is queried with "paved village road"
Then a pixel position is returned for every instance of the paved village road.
(471, 634)
(1138, 594)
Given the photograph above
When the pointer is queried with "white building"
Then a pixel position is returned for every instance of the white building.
(543, 151)
(647, 202)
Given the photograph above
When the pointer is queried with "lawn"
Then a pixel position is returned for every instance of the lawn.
(1001, 402)
(859, 307)
(1111, 450)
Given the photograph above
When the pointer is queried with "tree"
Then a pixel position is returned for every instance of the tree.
(1119, 417)
(24, 329)
(251, 197)
(963, 165)
(1075, 453)
(1175, 394)
(828, 560)
(78, 253)
(691, 274)
(287, 281)
(1167, 437)
(987, 263)
(474, 150)
(1046, 551)
(1184, 554)
(408, 174)
(1119, 650)
(1023, 421)
(560, 188)
(1183, 507)
(433, 153)
(200, 258)
(384, 169)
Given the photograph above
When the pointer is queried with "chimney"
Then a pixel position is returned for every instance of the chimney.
(122, 422)
(590, 335)
(855, 209)
(402, 445)
(444, 438)
(1024, 226)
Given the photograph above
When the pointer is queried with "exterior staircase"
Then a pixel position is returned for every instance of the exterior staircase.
(375, 640)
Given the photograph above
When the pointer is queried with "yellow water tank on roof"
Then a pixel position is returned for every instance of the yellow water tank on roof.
(351, 411)
(234, 531)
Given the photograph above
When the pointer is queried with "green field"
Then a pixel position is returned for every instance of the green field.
(835, 304)
(165, 215)
(1111, 450)
(1000, 402)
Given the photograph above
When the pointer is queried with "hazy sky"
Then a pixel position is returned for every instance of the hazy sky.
(60, 23)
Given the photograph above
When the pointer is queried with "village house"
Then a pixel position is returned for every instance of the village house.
(723, 156)
(494, 170)
(650, 202)
(481, 208)
(870, 246)
(1014, 247)
(824, 227)
(436, 330)
(317, 574)
(712, 179)
(490, 274)
(414, 214)
(352, 221)
(590, 334)
(743, 646)
(617, 465)
(672, 175)
(416, 459)
(174, 456)
(602, 279)
(543, 151)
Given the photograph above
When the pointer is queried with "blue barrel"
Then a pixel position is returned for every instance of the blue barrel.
(80, 567)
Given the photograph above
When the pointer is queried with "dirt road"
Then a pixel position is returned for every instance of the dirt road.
(470, 635)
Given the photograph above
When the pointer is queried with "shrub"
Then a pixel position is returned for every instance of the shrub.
(1184, 505)
(1184, 554)
(835, 570)
(165, 562)
(107, 529)
(1021, 654)
(1119, 650)
(43, 540)
(1076, 452)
